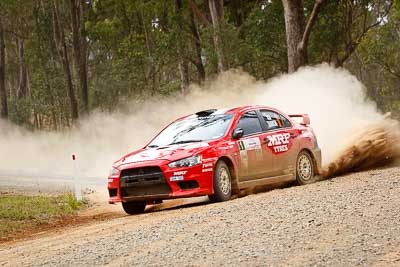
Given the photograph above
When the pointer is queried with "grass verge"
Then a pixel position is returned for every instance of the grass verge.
(20, 213)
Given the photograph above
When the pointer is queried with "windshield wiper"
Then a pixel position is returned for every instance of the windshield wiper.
(152, 146)
(185, 142)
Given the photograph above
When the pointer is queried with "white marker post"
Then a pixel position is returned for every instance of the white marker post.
(77, 185)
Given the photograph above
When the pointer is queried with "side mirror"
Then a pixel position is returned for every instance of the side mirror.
(237, 133)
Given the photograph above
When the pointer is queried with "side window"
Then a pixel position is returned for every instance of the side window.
(250, 123)
(274, 120)
(286, 123)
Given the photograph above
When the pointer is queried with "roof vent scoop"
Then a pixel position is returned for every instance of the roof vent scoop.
(206, 113)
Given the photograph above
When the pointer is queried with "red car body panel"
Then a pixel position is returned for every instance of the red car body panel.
(252, 158)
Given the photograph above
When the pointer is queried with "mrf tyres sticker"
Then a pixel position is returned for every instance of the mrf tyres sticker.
(279, 143)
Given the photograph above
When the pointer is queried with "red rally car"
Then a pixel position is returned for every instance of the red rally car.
(217, 152)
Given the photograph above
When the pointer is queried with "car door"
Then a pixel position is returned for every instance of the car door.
(251, 156)
(280, 139)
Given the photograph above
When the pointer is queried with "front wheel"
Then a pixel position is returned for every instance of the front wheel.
(134, 207)
(222, 183)
(305, 173)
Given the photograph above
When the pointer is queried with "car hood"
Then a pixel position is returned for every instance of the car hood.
(169, 153)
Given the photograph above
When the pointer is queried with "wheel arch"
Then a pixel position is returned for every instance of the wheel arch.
(315, 164)
(233, 172)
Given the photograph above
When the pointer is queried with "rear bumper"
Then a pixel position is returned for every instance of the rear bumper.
(174, 183)
(318, 159)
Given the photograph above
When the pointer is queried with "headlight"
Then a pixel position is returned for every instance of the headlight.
(187, 162)
(114, 172)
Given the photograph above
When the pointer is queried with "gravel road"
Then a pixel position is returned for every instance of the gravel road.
(347, 221)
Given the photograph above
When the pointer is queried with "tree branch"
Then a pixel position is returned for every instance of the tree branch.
(198, 13)
(351, 47)
(16, 34)
(310, 24)
(379, 61)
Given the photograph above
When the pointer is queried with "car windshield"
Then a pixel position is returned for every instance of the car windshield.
(193, 129)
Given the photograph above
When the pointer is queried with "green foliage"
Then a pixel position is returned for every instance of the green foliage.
(20, 111)
(19, 212)
(379, 53)
(135, 48)
(264, 32)
(20, 207)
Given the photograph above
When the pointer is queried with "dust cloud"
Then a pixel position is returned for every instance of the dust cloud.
(375, 146)
(333, 97)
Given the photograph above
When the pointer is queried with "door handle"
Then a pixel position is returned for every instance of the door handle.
(293, 135)
(265, 141)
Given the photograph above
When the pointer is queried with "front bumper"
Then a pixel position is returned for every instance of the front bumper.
(156, 181)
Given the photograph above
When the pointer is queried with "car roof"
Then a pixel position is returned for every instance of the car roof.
(247, 108)
(234, 110)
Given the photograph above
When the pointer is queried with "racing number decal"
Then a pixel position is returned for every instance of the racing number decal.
(279, 143)
(244, 161)
(241, 145)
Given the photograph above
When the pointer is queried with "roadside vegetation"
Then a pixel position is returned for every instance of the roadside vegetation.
(21, 213)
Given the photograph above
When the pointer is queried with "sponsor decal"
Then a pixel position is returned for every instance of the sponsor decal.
(180, 173)
(272, 124)
(249, 144)
(279, 143)
(207, 165)
(209, 159)
(176, 178)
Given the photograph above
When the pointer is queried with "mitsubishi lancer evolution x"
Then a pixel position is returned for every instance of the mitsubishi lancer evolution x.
(217, 152)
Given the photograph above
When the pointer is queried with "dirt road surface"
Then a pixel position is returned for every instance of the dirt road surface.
(348, 221)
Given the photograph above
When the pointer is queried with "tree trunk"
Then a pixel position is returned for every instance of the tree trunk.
(197, 43)
(294, 23)
(297, 34)
(22, 90)
(150, 55)
(182, 49)
(79, 44)
(3, 92)
(59, 38)
(46, 69)
(184, 72)
(217, 15)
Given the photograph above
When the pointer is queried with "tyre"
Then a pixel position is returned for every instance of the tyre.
(305, 173)
(222, 183)
(134, 207)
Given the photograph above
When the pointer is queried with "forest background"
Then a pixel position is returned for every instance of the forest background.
(62, 59)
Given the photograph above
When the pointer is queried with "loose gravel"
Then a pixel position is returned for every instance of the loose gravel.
(348, 221)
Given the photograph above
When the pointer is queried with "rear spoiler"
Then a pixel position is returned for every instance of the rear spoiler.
(305, 118)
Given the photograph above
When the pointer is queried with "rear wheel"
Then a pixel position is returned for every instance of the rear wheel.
(134, 207)
(305, 169)
(222, 183)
